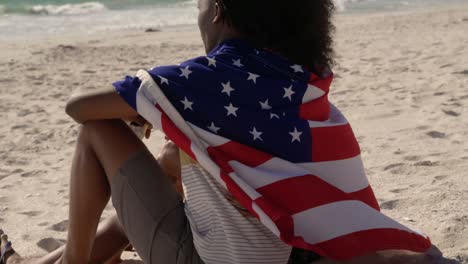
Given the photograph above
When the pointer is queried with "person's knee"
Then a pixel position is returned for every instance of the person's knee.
(92, 129)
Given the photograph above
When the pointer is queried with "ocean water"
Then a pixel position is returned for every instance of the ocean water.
(45, 18)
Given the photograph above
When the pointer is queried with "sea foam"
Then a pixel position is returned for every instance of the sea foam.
(341, 4)
(68, 9)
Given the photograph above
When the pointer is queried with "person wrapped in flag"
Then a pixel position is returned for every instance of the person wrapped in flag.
(267, 169)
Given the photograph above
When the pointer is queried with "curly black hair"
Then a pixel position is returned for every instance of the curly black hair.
(300, 30)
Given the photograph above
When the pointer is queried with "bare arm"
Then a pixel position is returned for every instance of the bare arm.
(100, 104)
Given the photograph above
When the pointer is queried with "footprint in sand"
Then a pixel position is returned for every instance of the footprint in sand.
(60, 227)
(423, 127)
(426, 163)
(462, 72)
(412, 158)
(440, 177)
(32, 173)
(21, 126)
(436, 134)
(400, 190)
(451, 113)
(396, 168)
(50, 244)
(389, 205)
(3, 199)
(393, 166)
(31, 213)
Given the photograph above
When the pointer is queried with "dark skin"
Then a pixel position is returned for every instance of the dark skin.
(105, 143)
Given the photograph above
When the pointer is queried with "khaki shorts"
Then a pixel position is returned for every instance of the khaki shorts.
(152, 212)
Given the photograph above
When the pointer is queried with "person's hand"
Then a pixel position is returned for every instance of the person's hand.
(169, 160)
(140, 122)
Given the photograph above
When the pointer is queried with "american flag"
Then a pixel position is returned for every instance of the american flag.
(264, 128)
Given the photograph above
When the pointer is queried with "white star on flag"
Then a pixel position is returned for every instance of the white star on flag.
(187, 104)
(296, 135)
(211, 62)
(297, 68)
(272, 115)
(237, 63)
(288, 92)
(185, 72)
(265, 105)
(163, 80)
(253, 77)
(214, 128)
(231, 110)
(256, 134)
(227, 88)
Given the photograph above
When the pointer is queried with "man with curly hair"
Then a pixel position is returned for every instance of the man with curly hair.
(253, 46)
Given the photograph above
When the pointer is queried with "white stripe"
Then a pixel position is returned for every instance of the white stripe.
(339, 219)
(147, 110)
(347, 175)
(211, 138)
(265, 219)
(336, 119)
(312, 93)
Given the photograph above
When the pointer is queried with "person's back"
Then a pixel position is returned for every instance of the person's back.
(259, 138)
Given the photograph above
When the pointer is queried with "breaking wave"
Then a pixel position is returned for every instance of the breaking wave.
(67, 9)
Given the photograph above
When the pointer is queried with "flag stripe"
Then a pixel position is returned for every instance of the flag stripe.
(304, 192)
(336, 119)
(147, 111)
(341, 218)
(371, 241)
(174, 134)
(333, 143)
(316, 110)
(312, 93)
(347, 175)
(321, 83)
(242, 153)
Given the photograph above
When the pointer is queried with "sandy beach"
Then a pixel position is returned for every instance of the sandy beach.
(401, 80)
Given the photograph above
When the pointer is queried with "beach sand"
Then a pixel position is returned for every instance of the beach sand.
(401, 79)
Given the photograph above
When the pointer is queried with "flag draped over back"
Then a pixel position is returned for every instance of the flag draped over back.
(264, 128)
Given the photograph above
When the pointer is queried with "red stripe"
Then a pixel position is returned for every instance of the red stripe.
(176, 135)
(300, 193)
(367, 196)
(369, 241)
(333, 143)
(239, 152)
(316, 110)
(321, 83)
